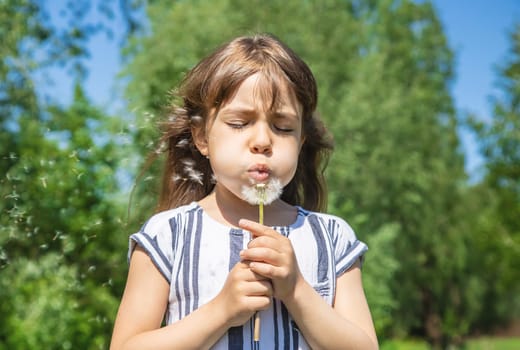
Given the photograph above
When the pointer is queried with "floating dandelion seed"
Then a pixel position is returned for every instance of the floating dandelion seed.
(188, 162)
(190, 171)
(43, 179)
(195, 176)
(176, 178)
(183, 143)
(161, 148)
(56, 235)
(107, 283)
(16, 213)
(13, 195)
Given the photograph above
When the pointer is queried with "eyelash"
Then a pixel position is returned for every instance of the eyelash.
(239, 126)
(284, 130)
(236, 125)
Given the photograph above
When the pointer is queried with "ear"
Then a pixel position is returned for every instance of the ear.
(198, 133)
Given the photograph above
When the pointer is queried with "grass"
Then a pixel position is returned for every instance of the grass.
(484, 343)
(494, 344)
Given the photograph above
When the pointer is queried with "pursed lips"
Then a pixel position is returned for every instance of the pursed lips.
(259, 172)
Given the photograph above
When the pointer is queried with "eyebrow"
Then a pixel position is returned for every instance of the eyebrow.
(252, 113)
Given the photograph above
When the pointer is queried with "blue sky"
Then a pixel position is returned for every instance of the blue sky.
(476, 31)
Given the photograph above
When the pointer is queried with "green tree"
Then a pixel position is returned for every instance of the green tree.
(401, 164)
(499, 140)
(61, 244)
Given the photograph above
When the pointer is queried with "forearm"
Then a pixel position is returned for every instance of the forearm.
(199, 330)
(321, 325)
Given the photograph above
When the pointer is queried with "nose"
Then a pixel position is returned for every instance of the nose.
(261, 141)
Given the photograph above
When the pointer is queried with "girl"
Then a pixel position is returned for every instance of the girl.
(203, 262)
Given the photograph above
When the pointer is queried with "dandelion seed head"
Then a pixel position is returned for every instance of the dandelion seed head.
(271, 191)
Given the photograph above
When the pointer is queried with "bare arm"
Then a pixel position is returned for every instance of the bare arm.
(138, 322)
(346, 325)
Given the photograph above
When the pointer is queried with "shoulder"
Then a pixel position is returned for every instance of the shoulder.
(163, 220)
(334, 224)
(158, 236)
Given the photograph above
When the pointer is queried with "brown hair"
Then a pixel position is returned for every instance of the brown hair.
(187, 173)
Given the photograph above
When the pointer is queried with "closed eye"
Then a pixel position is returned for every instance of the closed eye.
(284, 129)
(237, 124)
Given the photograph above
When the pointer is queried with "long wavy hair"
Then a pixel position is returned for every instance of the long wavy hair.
(187, 174)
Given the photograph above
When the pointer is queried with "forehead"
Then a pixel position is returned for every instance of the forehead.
(265, 92)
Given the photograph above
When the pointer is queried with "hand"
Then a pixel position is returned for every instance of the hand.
(271, 255)
(244, 293)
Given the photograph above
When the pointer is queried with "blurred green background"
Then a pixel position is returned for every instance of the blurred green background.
(442, 269)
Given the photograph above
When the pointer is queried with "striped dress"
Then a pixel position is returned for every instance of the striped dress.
(195, 253)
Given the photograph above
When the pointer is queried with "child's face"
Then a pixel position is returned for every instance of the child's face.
(248, 144)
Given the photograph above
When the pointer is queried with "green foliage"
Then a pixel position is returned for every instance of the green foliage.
(499, 242)
(61, 236)
(46, 304)
(378, 273)
(60, 199)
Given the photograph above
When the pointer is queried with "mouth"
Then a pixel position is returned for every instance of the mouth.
(259, 173)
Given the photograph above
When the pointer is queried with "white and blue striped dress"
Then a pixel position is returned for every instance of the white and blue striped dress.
(195, 253)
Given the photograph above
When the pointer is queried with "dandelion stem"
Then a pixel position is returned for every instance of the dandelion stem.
(260, 188)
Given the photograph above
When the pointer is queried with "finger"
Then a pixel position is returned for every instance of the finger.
(265, 269)
(260, 254)
(262, 288)
(261, 302)
(247, 274)
(256, 229)
(266, 242)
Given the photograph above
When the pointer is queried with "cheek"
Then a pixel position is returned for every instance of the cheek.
(221, 148)
(223, 156)
(290, 162)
